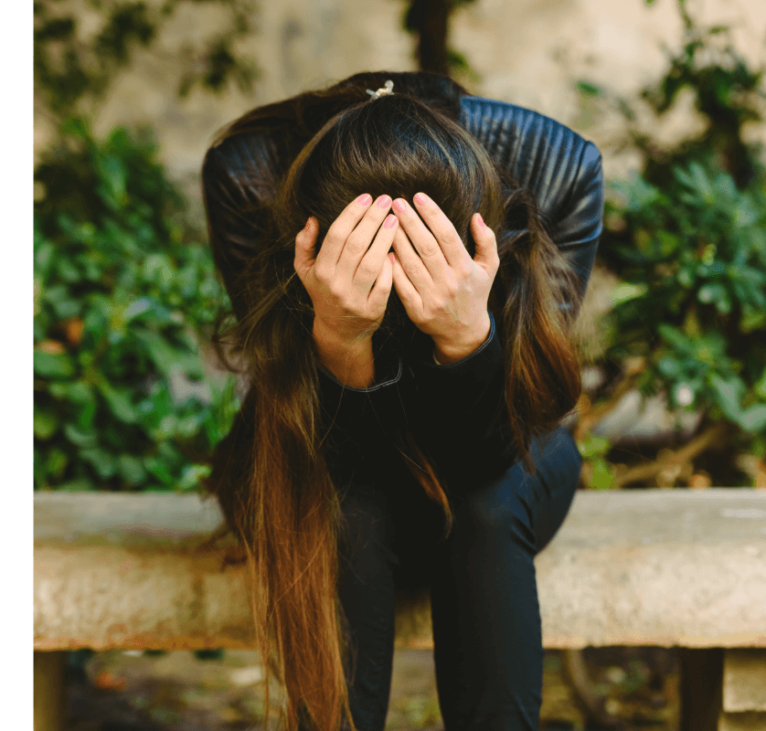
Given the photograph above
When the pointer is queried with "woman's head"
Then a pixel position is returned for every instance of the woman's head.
(394, 145)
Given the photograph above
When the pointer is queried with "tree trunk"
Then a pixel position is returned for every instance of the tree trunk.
(429, 19)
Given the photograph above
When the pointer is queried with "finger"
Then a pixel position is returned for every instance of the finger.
(380, 292)
(411, 263)
(486, 255)
(341, 229)
(370, 265)
(406, 290)
(443, 230)
(422, 239)
(305, 247)
(358, 242)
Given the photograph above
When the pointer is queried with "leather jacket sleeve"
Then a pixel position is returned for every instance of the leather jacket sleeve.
(238, 179)
(561, 170)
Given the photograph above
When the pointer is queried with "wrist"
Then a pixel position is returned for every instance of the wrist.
(331, 338)
(451, 350)
(351, 361)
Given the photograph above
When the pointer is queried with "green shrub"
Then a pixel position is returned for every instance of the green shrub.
(123, 289)
(694, 298)
(687, 237)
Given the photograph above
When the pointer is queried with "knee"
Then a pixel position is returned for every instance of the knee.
(500, 510)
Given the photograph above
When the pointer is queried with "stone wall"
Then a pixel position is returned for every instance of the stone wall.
(530, 52)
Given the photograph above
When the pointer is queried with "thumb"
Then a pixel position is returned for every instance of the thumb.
(486, 244)
(305, 247)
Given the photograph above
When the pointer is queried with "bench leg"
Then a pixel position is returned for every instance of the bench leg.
(744, 689)
(49, 691)
(701, 688)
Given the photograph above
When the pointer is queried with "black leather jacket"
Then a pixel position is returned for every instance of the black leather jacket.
(449, 408)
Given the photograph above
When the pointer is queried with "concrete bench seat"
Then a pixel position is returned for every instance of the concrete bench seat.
(672, 568)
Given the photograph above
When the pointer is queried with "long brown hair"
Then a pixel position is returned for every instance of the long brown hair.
(271, 474)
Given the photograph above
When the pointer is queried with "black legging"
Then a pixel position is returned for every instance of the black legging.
(484, 606)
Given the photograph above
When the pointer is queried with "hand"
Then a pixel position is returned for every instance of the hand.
(339, 280)
(444, 291)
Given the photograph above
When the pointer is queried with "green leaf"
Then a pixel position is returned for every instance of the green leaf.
(728, 395)
(64, 306)
(43, 257)
(191, 476)
(593, 446)
(119, 402)
(113, 176)
(86, 415)
(159, 469)
(753, 419)
(137, 308)
(164, 356)
(159, 269)
(760, 385)
(670, 367)
(686, 276)
(104, 463)
(53, 365)
(45, 423)
(80, 438)
(588, 89)
(55, 463)
(676, 339)
(77, 392)
(711, 293)
(752, 320)
(625, 292)
(131, 469)
(668, 243)
(602, 477)
(167, 427)
(68, 271)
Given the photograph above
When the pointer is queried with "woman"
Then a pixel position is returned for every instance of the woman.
(409, 360)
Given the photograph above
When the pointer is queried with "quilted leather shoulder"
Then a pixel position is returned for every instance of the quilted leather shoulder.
(560, 168)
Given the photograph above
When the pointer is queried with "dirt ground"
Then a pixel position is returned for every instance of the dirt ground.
(637, 688)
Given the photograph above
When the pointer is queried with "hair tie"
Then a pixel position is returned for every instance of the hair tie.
(386, 90)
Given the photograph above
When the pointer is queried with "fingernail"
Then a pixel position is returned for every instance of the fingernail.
(364, 200)
(390, 221)
(481, 221)
(384, 201)
(392, 257)
(421, 199)
(400, 205)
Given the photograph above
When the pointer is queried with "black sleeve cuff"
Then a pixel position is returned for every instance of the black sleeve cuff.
(390, 372)
(458, 386)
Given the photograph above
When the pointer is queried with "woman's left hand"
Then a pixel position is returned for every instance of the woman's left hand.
(443, 290)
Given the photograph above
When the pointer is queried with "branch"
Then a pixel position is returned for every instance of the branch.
(712, 435)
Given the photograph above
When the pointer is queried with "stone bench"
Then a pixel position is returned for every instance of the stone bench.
(635, 567)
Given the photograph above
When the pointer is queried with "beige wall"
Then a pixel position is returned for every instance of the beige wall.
(530, 52)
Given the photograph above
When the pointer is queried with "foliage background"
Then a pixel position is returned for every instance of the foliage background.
(687, 238)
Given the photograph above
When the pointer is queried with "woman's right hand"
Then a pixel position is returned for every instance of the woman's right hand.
(347, 307)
